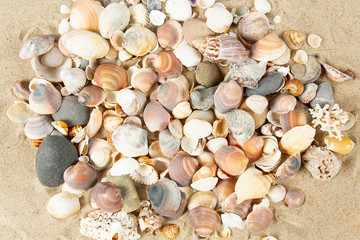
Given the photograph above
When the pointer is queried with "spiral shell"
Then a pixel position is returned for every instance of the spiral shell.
(38, 126)
(63, 205)
(91, 96)
(228, 96)
(115, 16)
(219, 19)
(144, 79)
(242, 209)
(253, 26)
(156, 118)
(294, 198)
(173, 92)
(80, 176)
(85, 15)
(202, 199)
(294, 87)
(139, 14)
(169, 34)
(139, 40)
(45, 99)
(36, 46)
(179, 10)
(225, 187)
(283, 103)
(195, 29)
(294, 39)
(204, 221)
(231, 160)
(167, 65)
(268, 48)
(182, 168)
(74, 80)
(107, 197)
(259, 219)
(111, 77)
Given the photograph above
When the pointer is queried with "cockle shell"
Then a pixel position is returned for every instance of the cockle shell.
(85, 15)
(219, 19)
(21, 89)
(294, 198)
(176, 128)
(86, 44)
(252, 148)
(268, 48)
(193, 146)
(307, 73)
(107, 197)
(156, 118)
(196, 128)
(216, 143)
(297, 139)
(224, 188)
(222, 47)
(309, 93)
(45, 99)
(74, 80)
(139, 40)
(36, 46)
(169, 34)
(314, 40)
(288, 168)
(63, 205)
(157, 17)
(242, 209)
(19, 112)
(182, 168)
(38, 126)
(252, 184)
(276, 193)
(283, 103)
(202, 199)
(91, 96)
(169, 145)
(241, 124)
(111, 77)
(144, 79)
(139, 14)
(188, 56)
(167, 65)
(195, 29)
(294, 39)
(253, 26)
(179, 10)
(343, 146)
(115, 16)
(300, 116)
(80, 176)
(204, 221)
(335, 74)
(294, 87)
(228, 96)
(169, 231)
(132, 102)
(259, 219)
(231, 160)
(174, 91)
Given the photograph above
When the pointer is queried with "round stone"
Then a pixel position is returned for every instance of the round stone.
(202, 98)
(208, 74)
(72, 112)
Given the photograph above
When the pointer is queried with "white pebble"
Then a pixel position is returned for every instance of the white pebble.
(65, 9)
(262, 6)
(277, 19)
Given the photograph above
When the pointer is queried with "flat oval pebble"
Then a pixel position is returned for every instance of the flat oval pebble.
(54, 156)
(267, 85)
(208, 74)
(72, 112)
(324, 95)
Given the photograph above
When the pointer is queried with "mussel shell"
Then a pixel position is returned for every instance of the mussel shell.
(289, 167)
(300, 116)
(253, 26)
(259, 219)
(195, 29)
(45, 99)
(204, 221)
(80, 176)
(169, 34)
(91, 96)
(182, 168)
(38, 127)
(167, 64)
(111, 77)
(228, 96)
(242, 209)
(107, 197)
(156, 118)
(231, 160)
(139, 40)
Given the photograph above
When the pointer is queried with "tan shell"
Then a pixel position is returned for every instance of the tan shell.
(294, 198)
(231, 160)
(144, 79)
(343, 146)
(259, 219)
(63, 205)
(85, 15)
(169, 231)
(111, 77)
(202, 199)
(294, 39)
(268, 48)
(139, 40)
(297, 139)
(169, 34)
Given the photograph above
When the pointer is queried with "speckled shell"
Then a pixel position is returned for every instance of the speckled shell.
(111, 77)
(223, 47)
(169, 231)
(202, 199)
(107, 197)
(156, 118)
(309, 93)
(253, 26)
(115, 16)
(91, 96)
(195, 29)
(294, 39)
(231, 160)
(288, 168)
(228, 96)
(139, 14)
(45, 99)
(283, 103)
(259, 219)
(167, 65)
(36, 46)
(225, 187)
(219, 19)
(169, 34)
(182, 168)
(242, 209)
(38, 126)
(204, 221)
(80, 176)
(172, 92)
(179, 10)
(139, 40)
(300, 116)
(85, 15)
(268, 48)
(144, 79)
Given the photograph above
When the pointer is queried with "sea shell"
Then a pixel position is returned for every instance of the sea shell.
(343, 146)
(38, 126)
(36, 46)
(182, 110)
(205, 184)
(219, 19)
(242, 209)
(80, 176)
(232, 220)
(37, 142)
(207, 116)
(335, 74)
(182, 168)
(110, 77)
(252, 184)
(231, 160)
(252, 148)
(139, 14)
(85, 15)
(64, 26)
(155, 150)
(195, 29)
(268, 48)
(196, 128)
(193, 146)
(294, 198)
(74, 80)
(174, 91)
(289, 167)
(202, 199)
(144, 79)
(156, 118)
(21, 89)
(204, 221)
(169, 231)
(222, 47)
(132, 102)
(269, 129)
(167, 65)
(146, 174)
(176, 128)
(205, 158)
(273, 118)
(314, 40)
(149, 222)
(220, 128)
(139, 40)
(307, 73)
(283, 103)
(95, 123)
(169, 145)
(112, 122)
(294, 87)
(241, 124)
(298, 117)
(216, 143)
(107, 197)
(223, 232)
(297, 139)
(45, 99)
(124, 166)
(116, 38)
(294, 39)
(224, 188)
(169, 34)
(63, 205)
(257, 103)
(115, 16)
(188, 56)
(283, 59)
(91, 96)
(259, 219)
(19, 112)
(271, 154)
(262, 6)
(52, 58)
(253, 26)
(301, 57)
(277, 193)
(206, 171)
(228, 96)
(309, 93)
(179, 10)
(157, 17)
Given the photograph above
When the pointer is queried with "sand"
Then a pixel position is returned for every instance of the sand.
(331, 210)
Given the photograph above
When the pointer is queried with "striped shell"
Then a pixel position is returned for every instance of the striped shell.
(228, 96)
(219, 19)
(139, 14)
(169, 34)
(156, 118)
(91, 96)
(253, 26)
(139, 40)
(144, 79)
(309, 93)
(38, 126)
(111, 77)
(294, 39)
(167, 65)
(195, 29)
(204, 221)
(85, 15)
(268, 48)
(45, 99)
(74, 80)
(182, 168)
(21, 90)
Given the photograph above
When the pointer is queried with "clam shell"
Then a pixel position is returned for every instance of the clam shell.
(182, 168)
(216, 143)
(95, 123)
(21, 90)
(209, 170)
(155, 150)
(188, 56)
(193, 146)
(301, 57)
(268, 48)
(132, 102)
(283, 103)
(112, 122)
(202, 199)
(309, 93)
(45, 99)
(205, 3)
(91, 96)
(223, 232)
(139, 40)
(252, 148)
(196, 128)
(169, 34)
(85, 15)
(36, 46)
(298, 117)
(38, 126)
(115, 16)
(86, 44)
(243, 209)
(307, 73)
(294, 87)
(231, 160)
(195, 29)
(19, 112)
(277, 193)
(80, 176)
(207, 116)
(314, 40)
(273, 118)
(156, 118)
(294, 198)
(205, 158)
(297, 139)
(116, 38)
(169, 145)
(167, 65)
(157, 17)
(173, 91)
(139, 14)
(52, 58)
(144, 79)
(204, 221)
(294, 39)
(182, 110)
(205, 184)
(64, 26)
(219, 19)
(63, 205)
(107, 197)
(288, 168)
(228, 96)
(124, 166)
(284, 58)
(176, 128)
(253, 26)
(343, 146)
(224, 188)
(259, 219)
(179, 10)
(257, 103)
(262, 6)
(111, 77)
(74, 80)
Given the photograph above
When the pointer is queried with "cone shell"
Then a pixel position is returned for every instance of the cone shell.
(182, 168)
(300, 116)
(242, 209)
(74, 80)
(45, 99)
(63, 205)
(169, 231)
(144, 79)
(169, 34)
(224, 188)
(202, 199)
(288, 168)
(139, 40)
(283, 103)
(294, 198)
(85, 15)
(228, 96)
(297, 139)
(195, 29)
(268, 48)
(91, 96)
(139, 14)
(80, 176)
(38, 126)
(111, 77)
(252, 148)
(172, 92)
(107, 197)
(179, 10)
(167, 65)
(343, 146)
(309, 93)
(231, 160)
(219, 19)
(115, 16)
(253, 26)
(204, 221)
(156, 118)
(21, 90)
(294, 39)
(259, 219)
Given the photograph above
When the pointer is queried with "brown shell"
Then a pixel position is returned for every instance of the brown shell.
(80, 176)
(204, 221)
(228, 96)
(156, 118)
(182, 168)
(21, 89)
(294, 39)
(252, 148)
(144, 79)
(300, 116)
(169, 34)
(288, 168)
(294, 87)
(167, 65)
(259, 219)
(225, 187)
(169, 231)
(294, 198)
(231, 160)
(195, 29)
(173, 92)
(220, 128)
(91, 96)
(107, 197)
(111, 77)
(242, 209)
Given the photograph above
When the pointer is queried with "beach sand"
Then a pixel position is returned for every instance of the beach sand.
(331, 210)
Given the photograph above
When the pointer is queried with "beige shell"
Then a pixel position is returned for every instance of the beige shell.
(45, 99)
(179, 10)
(277, 193)
(85, 15)
(52, 58)
(139, 14)
(219, 19)
(99, 153)
(202, 199)
(314, 40)
(294, 39)
(257, 103)
(193, 146)
(36, 46)
(301, 57)
(139, 40)
(196, 128)
(74, 80)
(95, 123)
(182, 110)
(216, 143)
(115, 16)
(63, 205)
(176, 128)
(297, 139)
(268, 48)
(19, 112)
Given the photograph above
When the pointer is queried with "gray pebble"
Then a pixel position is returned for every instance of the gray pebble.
(72, 112)
(208, 74)
(324, 95)
(267, 85)
(202, 98)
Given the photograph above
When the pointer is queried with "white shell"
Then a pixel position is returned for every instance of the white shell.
(301, 57)
(157, 17)
(188, 55)
(262, 6)
(193, 146)
(257, 103)
(63, 205)
(206, 115)
(124, 166)
(219, 19)
(38, 127)
(95, 123)
(314, 40)
(131, 101)
(277, 193)
(124, 55)
(205, 184)
(196, 128)
(74, 80)
(145, 175)
(52, 58)
(99, 153)
(182, 110)
(139, 14)
(65, 9)
(216, 143)
(233, 220)
(67, 188)
(115, 16)
(277, 19)
(19, 112)
(264, 203)
(179, 10)
(205, 3)
(64, 26)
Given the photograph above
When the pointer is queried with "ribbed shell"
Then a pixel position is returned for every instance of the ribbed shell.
(74, 80)
(167, 65)
(195, 29)
(172, 92)
(204, 221)
(91, 96)
(144, 79)
(156, 118)
(228, 96)
(81, 176)
(111, 77)
(182, 168)
(139, 14)
(268, 48)
(38, 126)
(85, 15)
(219, 19)
(231, 160)
(107, 197)
(253, 26)
(169, 34)
(139, 40)
(309, 93)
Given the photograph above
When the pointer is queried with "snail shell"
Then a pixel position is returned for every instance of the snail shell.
(115, 16)
(294, 87)
(179, 10)
(173, 92)
(21, 90)
(242, 209)
(45, 99)
(228, 96)
(253, 26)
(85, 15)
(294, 39)
(38, 126)
(204, 221)
(225, 187)
(294, 198)
(268, 48)
(288, 168)
(169, 34)
(63, 205)
(156, 118)
(167, 65)
(37, 46)
(195, 29)
(259, 219)
(283, 103)
(182, 168)
(139, 40)
(144, 79)
(80, 176)
(219, 19)
(202, 199)
(107, 197)
(91, 96)
(231, 160)
(111, 77)
(74, 80)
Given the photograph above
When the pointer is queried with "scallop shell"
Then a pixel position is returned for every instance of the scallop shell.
(188, 56)
(195, 29)
(202, 199)
(193, 146)
(169, 145)
(314, 40)
(343, 146)
(242, 209)
(196, 128)
(86, 44)
(157, 17)
(288, 168)
(297, 139)
(167, 65)
(139, 14)
(294, 198)
(85, 15)
(219, 19)
(156, 118)
(253, 26)
(231, 160)
(144, 79)
(80, 176)
(139, 40)
(111, 77)
(268, 48)
(115, 16)
(172, 92)
(182, 168)
(283, 103)
(307, 73)
(309, 93)
(38, 126)
(19, 112)
(63, 205)
(294, 39)
(169, 231)
(259, 219)
(204, 221)
(74, 80)
(107, 197)
(21, 90)
(169, 34)
(228, 96)
(132, 102)
(179, 10)
(36, 46)
(91, 96)
(45, 99)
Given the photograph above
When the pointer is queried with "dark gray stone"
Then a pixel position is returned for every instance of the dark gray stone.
(54, 156)
(72, 112)
(202, 98)
(267, 85)
(324, 95)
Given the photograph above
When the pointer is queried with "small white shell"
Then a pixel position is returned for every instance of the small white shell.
(188, 55)
(182, 110)
(179, 10)
(139, 14)
(257, 103)
(219, 19)
(64, 26)
(193, 146)
(63, 205)
(157, 17)
(216, 143)
(233, 220)
(301, 57)
(314, 40)
(277, 193)
(115, 16)
(205, 184)
(74, 80)
(124, 166)
(65, 9)
(19, 112)
(262, 6)
(205, 3)
(196, 128)
(95, 123)
(131, 101)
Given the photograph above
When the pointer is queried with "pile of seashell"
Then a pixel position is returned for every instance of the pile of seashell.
(213, 147)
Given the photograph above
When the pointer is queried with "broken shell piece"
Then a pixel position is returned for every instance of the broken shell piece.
(294, 198)
(61, 126)
(343, 146)
(232, 220)
(124, 166)
(193, 146)
(277, 193)
(314, 40)
(223, 232)
(294, 87)
(301, 57)
(169, 231)
(132, 102)
(19, 112)
(154, 150)
(220, 128)
(63, 205)
(37, 46)
(149, 222)
(297, 139)
(288, 168)
(336, 75)
(21, 90)
(77, 193)
(271, 155)
(95, 123)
